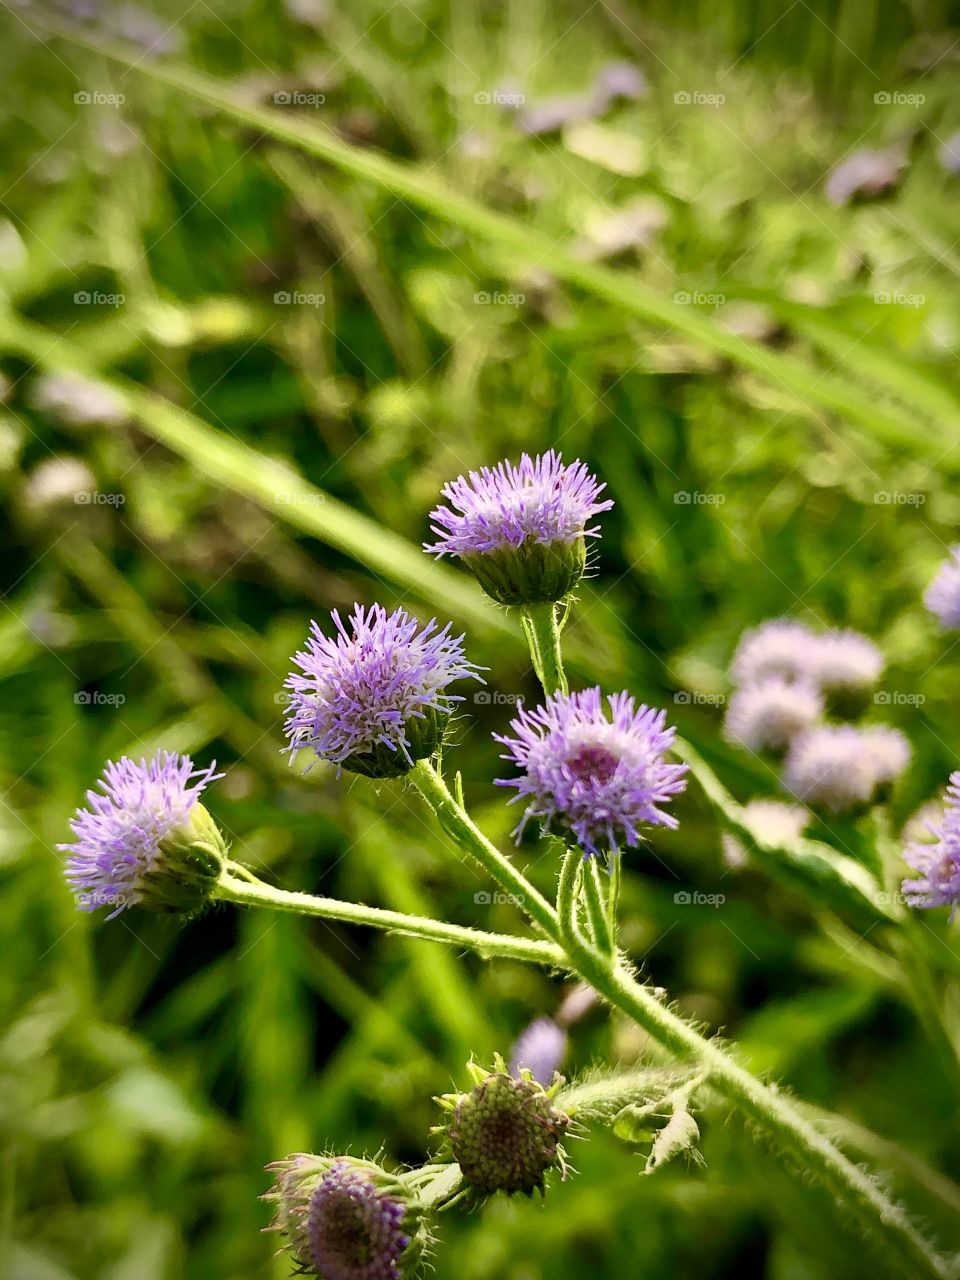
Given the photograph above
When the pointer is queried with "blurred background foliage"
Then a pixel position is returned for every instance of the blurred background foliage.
(785, 444)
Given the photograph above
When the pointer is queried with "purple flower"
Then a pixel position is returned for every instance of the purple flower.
(521, 528)
(781, 647)
(541, 1049)
(829, 768)
(949, 153)
(865, 174)
(353, 1230)
(145, 841)
(942, 597)
(598, 776)
(888, 752)
(772, 823)
(373, 698)
(346, 1219)
(938, 862)
(765, 716)
(845, 659)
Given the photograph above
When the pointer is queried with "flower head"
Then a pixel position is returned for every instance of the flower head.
(765, 716)
(505, 1134)
(942, 597)
(888, 752)
(781, 647)
(520, 528)
(373, 698)
(346, 1219)
(846, 666)
(772, 822)
(598, 774)
(829, 768)
(541, 1049)
(146, 841)
(866, 174)
(938, 860)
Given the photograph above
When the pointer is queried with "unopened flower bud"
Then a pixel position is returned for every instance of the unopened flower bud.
(505, 1134)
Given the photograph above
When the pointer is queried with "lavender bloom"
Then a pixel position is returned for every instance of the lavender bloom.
(618, 80)
(949, 154)
(598, 776)
(771, 822)
(146, 841)
(778, 648)
(888, 752)
(938, 862)
(346, 1219)
(942, 597)
(765, 716)
(866, 174)
(845, 659)
(541, 1049)
(520, 528)
(828, 767)
(373, 699)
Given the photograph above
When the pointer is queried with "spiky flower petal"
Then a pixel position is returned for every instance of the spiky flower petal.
(767, 715)
(521, 528)
(938, 860)
(146, 841)
(347, 1219)
(599, 774)
(373, 698)
(505, 1134)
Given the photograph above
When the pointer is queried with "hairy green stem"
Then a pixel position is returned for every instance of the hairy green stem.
(542, 630)
(594, 897)
(251, 892)
(602, 1096)
(457, 823)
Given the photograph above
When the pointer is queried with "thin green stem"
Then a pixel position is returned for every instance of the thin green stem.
(250, 892)
(542, 630)
(457, 823)
(435, 1185)
(595, 899)
(613, 899)
(568, 898)
(602, 1096)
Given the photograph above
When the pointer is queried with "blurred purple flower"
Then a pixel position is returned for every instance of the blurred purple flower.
(767, 715)
(865, 174)
(780, 647)
(541, 1048)
(942, 597)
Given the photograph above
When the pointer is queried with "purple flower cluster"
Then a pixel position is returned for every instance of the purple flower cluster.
(540, 1049)
(373, 698)
(119, 854)
(541, 500)
(938, 861)
(791, 676)
(599, 775)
